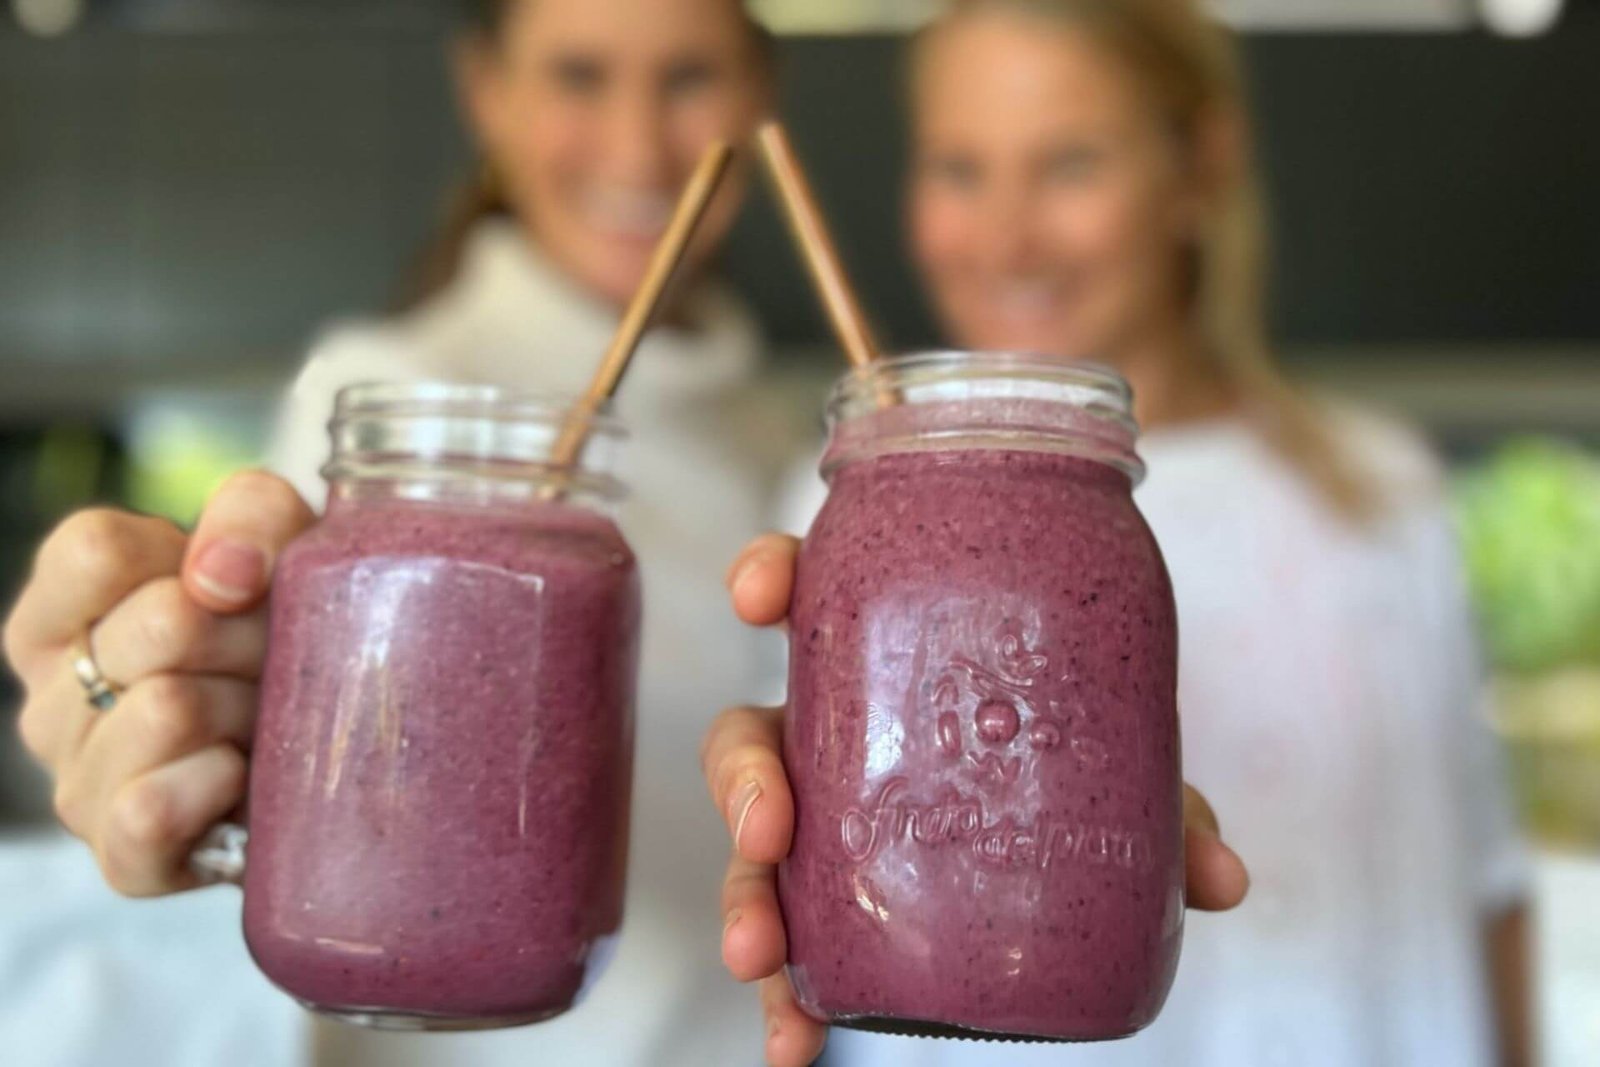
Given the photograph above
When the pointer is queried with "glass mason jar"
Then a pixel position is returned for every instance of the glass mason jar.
(982, 733)
(441, 771)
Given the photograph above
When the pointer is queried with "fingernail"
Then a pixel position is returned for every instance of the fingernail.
(733, 917)
(740, 571)
(231, 571)
(773, 1026)
(743, 801)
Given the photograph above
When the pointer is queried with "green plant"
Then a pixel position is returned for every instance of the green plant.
(1530, 529)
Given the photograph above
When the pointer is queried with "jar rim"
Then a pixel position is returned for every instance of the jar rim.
(439, 399)
(898, 372)
(948, 399)
(429, 434)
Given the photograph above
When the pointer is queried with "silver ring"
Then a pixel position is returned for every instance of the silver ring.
(97, 689)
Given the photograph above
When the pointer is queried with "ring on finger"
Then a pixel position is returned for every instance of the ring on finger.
(98, 690)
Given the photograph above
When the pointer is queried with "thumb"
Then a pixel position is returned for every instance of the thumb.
(761, 580)
(246, 524)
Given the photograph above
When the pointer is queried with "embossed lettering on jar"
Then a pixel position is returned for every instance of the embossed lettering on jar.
(982, 734)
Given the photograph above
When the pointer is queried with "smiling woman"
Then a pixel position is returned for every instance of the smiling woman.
(1084, 184)
(590, 117)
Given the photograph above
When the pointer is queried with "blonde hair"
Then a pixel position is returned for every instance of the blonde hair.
(1189, 65)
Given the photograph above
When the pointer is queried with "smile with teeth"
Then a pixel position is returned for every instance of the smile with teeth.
(627, 213)
(1027, 300)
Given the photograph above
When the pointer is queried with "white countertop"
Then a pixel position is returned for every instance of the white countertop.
(1568, 947)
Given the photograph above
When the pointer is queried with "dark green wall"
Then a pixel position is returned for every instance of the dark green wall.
(1423, 188)
(194, 197)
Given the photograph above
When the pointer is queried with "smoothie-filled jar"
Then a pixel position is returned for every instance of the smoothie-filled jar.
(982, 734)
(440, 776)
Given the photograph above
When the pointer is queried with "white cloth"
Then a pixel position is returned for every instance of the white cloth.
(510, 319)
(1331, 699)
(89, 979)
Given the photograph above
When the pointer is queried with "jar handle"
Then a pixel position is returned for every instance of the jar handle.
(219, 857)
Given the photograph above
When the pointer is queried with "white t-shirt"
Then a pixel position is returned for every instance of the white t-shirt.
(512, 320)
(1331, 702)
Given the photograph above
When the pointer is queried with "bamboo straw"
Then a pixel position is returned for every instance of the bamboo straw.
(664, 266)
(821, 255)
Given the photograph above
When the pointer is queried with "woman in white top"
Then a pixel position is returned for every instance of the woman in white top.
(590, 116)
(1082, 184)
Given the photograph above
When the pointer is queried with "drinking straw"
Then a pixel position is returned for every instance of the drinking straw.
(642, 310)
(821, 255)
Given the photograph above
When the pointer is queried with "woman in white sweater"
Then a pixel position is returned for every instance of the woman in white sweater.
(1082, 185)
(589, 115)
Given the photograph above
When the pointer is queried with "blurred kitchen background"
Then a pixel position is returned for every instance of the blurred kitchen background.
(188, 188)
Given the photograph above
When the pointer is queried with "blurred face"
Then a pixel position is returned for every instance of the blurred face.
(1049, 209)
(594, 114)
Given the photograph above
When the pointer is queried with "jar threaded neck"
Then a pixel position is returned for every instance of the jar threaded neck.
(945, 401)
(439, 438)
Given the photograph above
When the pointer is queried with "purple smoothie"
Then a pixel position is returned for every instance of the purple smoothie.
(440, 776)
(983, 746)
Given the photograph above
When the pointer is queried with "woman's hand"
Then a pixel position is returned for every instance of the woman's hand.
(744, 769)
(175, 623)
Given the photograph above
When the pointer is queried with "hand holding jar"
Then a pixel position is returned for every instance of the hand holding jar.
(978, 807)
(744, 769)
(440, 771)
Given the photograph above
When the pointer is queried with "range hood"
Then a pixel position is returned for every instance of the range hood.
(231, 16)
(785, 16)
(833, 16)
(1396, 15)
(1515, 18)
